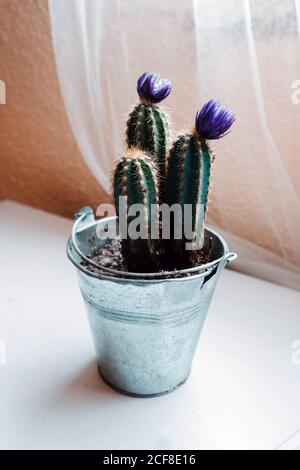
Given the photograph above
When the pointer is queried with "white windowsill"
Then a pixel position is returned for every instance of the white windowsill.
(243, 391)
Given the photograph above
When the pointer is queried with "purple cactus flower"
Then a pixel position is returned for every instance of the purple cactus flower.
(213, 121)
(152, 88)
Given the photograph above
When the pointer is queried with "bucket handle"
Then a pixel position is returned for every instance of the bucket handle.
(231, 256)
(217, 266)
(85, 214)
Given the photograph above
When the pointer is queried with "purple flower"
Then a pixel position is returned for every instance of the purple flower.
(152, 88)
(213, 121)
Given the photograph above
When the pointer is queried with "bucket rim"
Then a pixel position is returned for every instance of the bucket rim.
(195, 272)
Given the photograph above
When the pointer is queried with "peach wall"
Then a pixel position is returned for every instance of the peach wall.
(40, 163)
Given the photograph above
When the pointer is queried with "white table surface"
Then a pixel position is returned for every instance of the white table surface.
(243, 393)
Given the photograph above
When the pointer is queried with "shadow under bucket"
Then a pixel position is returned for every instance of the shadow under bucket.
(145, 327)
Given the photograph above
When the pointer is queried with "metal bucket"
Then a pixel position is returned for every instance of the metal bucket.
(145, 327)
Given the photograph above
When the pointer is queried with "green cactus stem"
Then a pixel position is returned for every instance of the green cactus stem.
(147, 129)
(188, 180)
(147, 125)
(135, 178)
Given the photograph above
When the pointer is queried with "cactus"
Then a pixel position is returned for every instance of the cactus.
(144, 176)
(188, 182)
(189, 169)
(147, 126)
(135, 177)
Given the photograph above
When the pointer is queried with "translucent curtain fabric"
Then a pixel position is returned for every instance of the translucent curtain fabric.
(246, 53)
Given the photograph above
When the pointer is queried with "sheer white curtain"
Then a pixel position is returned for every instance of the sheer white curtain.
(246, 53)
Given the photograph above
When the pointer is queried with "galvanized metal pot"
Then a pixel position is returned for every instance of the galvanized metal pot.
(145, 327)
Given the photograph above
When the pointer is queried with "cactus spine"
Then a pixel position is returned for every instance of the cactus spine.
(135, 178)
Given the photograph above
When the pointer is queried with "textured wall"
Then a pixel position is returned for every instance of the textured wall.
(40, 163)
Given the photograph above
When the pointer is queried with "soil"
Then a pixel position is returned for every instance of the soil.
(110, 256)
